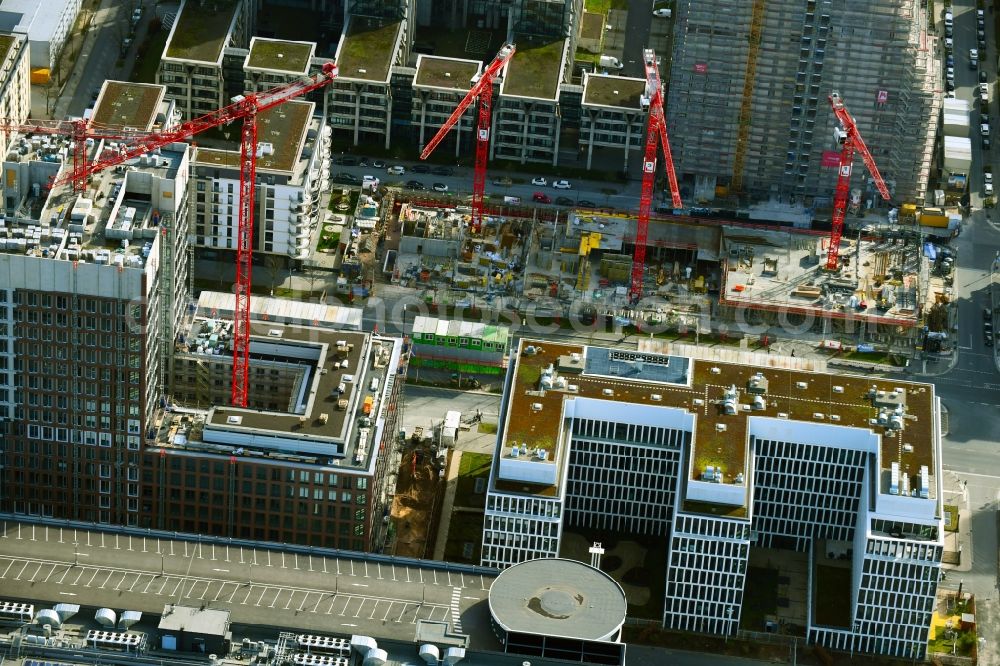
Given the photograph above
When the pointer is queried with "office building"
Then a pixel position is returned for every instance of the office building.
(463, 346)
(47, 24)
(307, 461)
(749, 84)
(292, 170)
(736, 466)
(92, 293)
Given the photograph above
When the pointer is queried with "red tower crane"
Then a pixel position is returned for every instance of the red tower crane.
(244, 108)
(482, 87)
(849, 138)
(656, 133)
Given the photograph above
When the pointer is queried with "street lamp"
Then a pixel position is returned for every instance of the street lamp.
(729, 622)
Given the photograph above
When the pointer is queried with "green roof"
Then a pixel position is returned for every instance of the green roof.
(535, 70)
(201, 31)
(279, 55)
(367, 50)
(6, 43)
(127, 105)
(283, 127)
(449, 73)
(616, 91)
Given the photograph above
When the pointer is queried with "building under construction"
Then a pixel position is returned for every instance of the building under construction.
(748, 112)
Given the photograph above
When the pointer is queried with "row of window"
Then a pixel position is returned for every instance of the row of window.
(458, 341)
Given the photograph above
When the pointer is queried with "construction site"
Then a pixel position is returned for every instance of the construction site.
(725, 274)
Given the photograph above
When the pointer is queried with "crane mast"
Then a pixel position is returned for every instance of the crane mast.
(244, 108)
(656, 133)
(849, 138)
(482, 88)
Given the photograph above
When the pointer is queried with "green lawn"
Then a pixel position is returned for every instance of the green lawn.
(472, 466)
(487, 428)
(465, 528)
(604, 6)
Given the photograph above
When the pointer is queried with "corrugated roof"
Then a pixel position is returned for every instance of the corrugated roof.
(280, 310)
(456, 328)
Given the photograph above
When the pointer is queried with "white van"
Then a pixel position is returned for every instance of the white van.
(373, 387)
(611, 62)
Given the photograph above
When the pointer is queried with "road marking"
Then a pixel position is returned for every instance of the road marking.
(221, 570)
(981, 476)
(347, 624)
(360, 584)
(68, 594)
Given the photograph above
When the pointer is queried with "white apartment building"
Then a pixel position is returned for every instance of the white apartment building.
(291, 172)
(15, 81)
(47, 23)
(191, 66)
(613, 116)
(736, 465)
(438, 86)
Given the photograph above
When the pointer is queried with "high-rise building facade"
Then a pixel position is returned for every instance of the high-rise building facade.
(734, 465)
(90, 298)
(748, 104)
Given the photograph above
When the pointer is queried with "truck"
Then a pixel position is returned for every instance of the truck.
(611, 62)
(956, 117)
(957, 155)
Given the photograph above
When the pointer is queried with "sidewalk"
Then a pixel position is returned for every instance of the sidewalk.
(957, 545)
(447, 504)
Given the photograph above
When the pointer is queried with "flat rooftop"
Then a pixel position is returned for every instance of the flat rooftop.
(277, 55)
(535, 70)
(123, 104)
(784, 269)
(367, 49)
(336, 394)
(119, 226)
(614, 91)
(283, 127)
(558, 598)
(202, 30)
(698, 386)
(445, 73)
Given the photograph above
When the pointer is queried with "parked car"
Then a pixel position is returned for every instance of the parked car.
(420, 168)
(949, 31)
(541, 182)
(949, 85)
(396, 170)
(988, 176)
(346, 160)
(663, 13)
(984, 93)
(137, 15)
(378, 164)
(345, 178)
(982, 77)
(541, 197)
(949, 45)
(988, 189)
(973, 58)
(564, 201)
(440, 187)
(561, 185)
(442, 171)
(949, 18)
(987, 314)
(986, 143)
(586, 203)
(415, 185)
(949, 60)
(503, 181)
(987, 339)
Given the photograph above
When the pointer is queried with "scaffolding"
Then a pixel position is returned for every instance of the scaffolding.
(746, 102)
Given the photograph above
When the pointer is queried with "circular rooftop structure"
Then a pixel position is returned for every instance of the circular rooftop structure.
(556, 597)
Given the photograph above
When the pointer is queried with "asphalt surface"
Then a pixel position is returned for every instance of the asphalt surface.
(259, 586)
